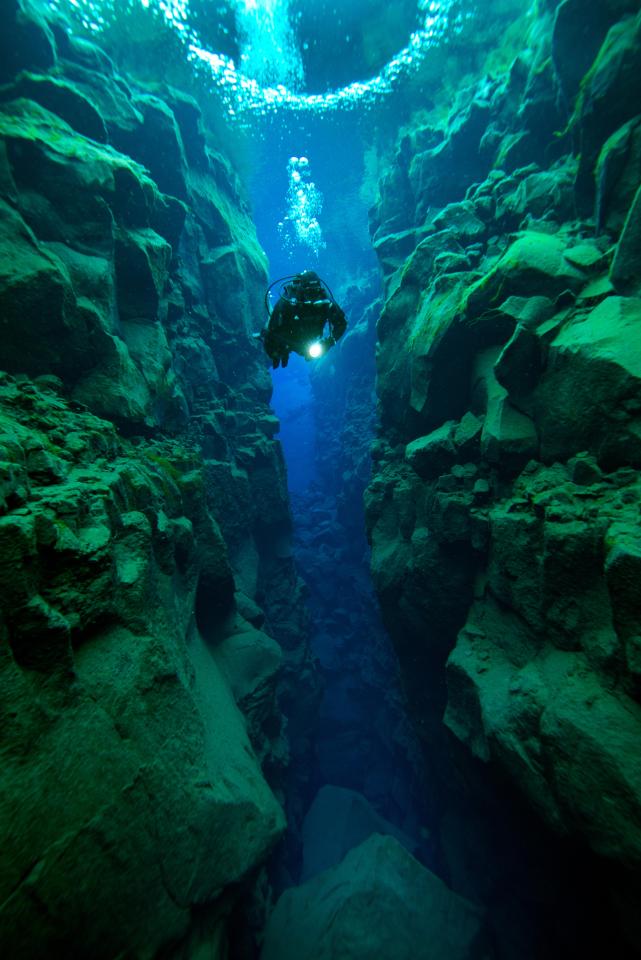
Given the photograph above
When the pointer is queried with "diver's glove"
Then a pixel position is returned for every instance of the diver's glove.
(328, 342)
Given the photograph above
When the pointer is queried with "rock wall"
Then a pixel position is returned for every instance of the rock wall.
(145, 563)
(504, 507)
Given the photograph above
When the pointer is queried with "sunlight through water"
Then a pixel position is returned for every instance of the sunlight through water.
(270, 75)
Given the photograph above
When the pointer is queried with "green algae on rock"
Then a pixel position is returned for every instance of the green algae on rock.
(503, 509)
(139, 705)
(103, 551)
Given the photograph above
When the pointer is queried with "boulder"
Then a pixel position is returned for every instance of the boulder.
(92, 280)
(250, 660)
(157, 145)
(509, 437)
(450, 263)
(450, 443)
(379, 902)
(515, 565)
(116, 389)
(70, 188)
(586, 256)
(442, 174)
(467, 436)
(527, 311)
(103, 791)
(148, 348)
(393, 249)
(546, 195)
(513, 150)
(87, 66)
(622, 570)
(521, 362)
(541, 113)
(534, 265)
(63, 99)
(337, 821)
(190, 122)
(462, 220)
(584, 470)
(589, 397)
(433, 454)
(564, 739)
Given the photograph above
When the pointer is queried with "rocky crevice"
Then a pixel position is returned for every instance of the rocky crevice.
(362, 741)
(151, 622)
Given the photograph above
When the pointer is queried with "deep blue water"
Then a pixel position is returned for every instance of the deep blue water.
(361, 720)
(293, 403)
(335, 150)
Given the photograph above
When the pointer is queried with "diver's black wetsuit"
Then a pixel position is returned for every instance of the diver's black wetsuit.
(298, 320)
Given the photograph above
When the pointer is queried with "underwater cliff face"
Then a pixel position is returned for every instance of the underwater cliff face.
(144, 522)
(504, 506)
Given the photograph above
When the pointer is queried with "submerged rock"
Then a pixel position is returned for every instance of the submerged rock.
(378, 902)
(103, 552)
(505, 562)
(594, 371)
(534, 265)
(337, 821)
(618, 173)
(141, 490)
(626, 266)
(61, 98)
(610, 95)
(27, 41)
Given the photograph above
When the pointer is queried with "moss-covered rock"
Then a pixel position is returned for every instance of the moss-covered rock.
(579, 30)
(534, 265)
(618, 172)
(61, 98)
(551, 714)
(609, 95)
(120, 558)
(101, 564)
(590, 399)
(503, 506)
(36, 286)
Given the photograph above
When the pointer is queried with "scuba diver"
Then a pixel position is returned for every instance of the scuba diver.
(297, 322)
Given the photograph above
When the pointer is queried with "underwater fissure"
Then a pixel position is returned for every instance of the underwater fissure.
(340, 659)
